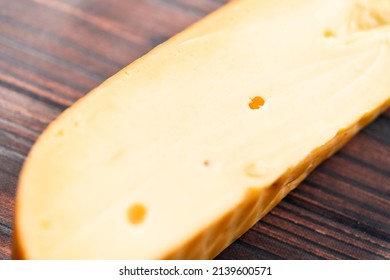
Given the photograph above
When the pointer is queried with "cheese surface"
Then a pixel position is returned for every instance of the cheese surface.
(185, 149)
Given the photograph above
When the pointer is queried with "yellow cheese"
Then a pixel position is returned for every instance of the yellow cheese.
(185, 149)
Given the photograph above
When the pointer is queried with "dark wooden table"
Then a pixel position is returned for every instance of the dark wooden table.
(52, 52)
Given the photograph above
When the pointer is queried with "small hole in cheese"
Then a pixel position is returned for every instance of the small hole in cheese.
(257, 168)
(329, 33)
(59, 133)
(46, 225)
(256, 103)
(136, 214)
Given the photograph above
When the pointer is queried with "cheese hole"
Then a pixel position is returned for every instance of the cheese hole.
(256, 103)
(206, 162)
(136, 214)
(329, 33)
(59, 133)
(46, 225)
(256, 169)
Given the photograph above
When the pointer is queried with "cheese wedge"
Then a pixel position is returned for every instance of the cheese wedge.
(185, 149)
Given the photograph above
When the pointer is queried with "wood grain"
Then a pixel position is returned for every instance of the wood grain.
(52, 52)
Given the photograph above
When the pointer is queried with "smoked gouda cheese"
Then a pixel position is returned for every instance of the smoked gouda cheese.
(182, 151)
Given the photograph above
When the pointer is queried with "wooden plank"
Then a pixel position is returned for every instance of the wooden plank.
(59, 50)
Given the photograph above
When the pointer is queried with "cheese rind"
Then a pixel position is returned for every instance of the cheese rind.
(169, 145)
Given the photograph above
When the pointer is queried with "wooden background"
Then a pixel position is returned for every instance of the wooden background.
(54, 51)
